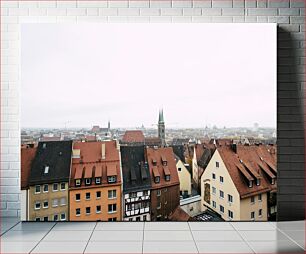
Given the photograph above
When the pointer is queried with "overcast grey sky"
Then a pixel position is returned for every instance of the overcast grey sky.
(85, 74)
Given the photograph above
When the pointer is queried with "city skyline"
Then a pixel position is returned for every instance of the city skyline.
(84, 75)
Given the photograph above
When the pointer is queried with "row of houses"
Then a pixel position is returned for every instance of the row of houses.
(98, 181)
(105, 181)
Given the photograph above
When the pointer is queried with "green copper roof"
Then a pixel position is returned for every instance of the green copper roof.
(161, 116)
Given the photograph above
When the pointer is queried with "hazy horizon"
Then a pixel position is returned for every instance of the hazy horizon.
(87, 74)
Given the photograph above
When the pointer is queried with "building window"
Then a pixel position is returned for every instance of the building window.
(144, 218)
(87, 196)
(145, 193)
(230, 214)
(37, 205)
(98, 180)
(250, 184)
(46, 188)
(37, 219)
(260, 213)
(87, 210)
(98, 209)
(112, 194)
(55, 202)
(45, 204)
(167, 178)
(133, 195)
(252, 200)
(221, 209)
(252, 215)
(221, 194)
(217, 164)
(77, 197)
(111, 179)
(259, 197)
(37, 189)
(156, 179)
(112, 219)
(213, 190)
(63, 201)
(55, 187)
(78, 182)
(165, 189)
(158, 192)
(213, 176)
(257, 181)
(214, 204)
(46, 218)
(112, 208)
(63, 216)
(221, 179)
(159, 206)
(129, 207)
(78, 212)
(55, 217)
(63, 186)
(46, 170)
(87, 181)
(98, 194)
(272, 181)
(179, 169)
(230, 198)
(130, 219)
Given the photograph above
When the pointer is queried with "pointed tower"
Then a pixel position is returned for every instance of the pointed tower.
(161, 127)
(108, 126)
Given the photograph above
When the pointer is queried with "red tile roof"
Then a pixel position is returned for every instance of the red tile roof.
(159, 169)
(247, 164)
(179, 215)
(27, 157)
(91, 164)
(134, 136)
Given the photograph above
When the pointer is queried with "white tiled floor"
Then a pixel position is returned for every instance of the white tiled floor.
(152, 237)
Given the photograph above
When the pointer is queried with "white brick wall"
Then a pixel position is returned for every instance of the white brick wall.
(289, 13)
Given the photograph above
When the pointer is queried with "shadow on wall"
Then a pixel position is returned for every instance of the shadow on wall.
(290, 129)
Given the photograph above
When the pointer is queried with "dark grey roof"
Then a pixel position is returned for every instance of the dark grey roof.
(57, 156)
(135, 170)
(205, 158)
(179, 151)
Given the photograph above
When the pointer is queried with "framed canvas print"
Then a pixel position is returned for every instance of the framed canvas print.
(148, 122)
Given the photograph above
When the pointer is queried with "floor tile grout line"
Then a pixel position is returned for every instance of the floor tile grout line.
(244, 240)
(193, 237)
(143, 232)
(290, 238)
(10, 228)
(43, 237)
(90, 237)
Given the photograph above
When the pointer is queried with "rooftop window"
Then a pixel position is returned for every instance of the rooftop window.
(46, 169)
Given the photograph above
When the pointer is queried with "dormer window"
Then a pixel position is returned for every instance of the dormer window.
(157, 179)
(167, 178)
(164, 163)
(250, 184)
(111, 179)
(46, 170)
(154, 162)
(78, 182)
(98, 180)
(87, 181)
(257, 182)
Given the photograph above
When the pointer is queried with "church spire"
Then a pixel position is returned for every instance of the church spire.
(161, 116)
(161, 128)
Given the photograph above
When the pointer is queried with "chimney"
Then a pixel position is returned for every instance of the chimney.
(103, 151)
(234, 147)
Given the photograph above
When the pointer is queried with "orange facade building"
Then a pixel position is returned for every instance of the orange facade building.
(95, 182)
